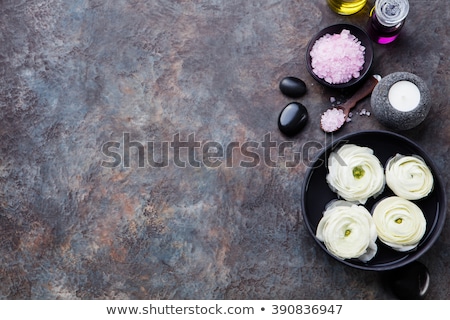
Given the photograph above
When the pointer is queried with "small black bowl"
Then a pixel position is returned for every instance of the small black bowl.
(368, 54)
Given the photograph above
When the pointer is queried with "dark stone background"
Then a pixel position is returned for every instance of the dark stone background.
(77, 74)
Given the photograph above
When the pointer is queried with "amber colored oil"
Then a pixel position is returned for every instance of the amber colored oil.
(346, 7)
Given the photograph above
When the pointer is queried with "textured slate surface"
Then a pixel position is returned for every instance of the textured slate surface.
(77, 74)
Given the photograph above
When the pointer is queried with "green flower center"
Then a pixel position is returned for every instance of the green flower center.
(399, 220)
(358, 172)
(347, 232)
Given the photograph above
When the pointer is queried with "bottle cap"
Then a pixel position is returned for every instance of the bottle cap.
(391, 12)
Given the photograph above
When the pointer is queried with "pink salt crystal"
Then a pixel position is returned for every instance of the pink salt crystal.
(332, 119)
(337, 58)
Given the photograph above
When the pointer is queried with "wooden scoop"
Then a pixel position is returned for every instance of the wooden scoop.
(333, 119)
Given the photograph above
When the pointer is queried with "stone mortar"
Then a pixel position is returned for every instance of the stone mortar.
(392, 118)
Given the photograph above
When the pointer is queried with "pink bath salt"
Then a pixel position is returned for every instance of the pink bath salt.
(332, 120)
(337, 58)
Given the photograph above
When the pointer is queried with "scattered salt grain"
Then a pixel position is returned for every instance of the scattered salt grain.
(337, 58)
(364, 112)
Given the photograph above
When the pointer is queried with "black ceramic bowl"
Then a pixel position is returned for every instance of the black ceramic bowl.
(368, 54)
(316, 194)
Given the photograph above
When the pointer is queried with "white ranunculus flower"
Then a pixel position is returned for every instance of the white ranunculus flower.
(348, 231)
(355, 173)
(400, 223)
(409, 177)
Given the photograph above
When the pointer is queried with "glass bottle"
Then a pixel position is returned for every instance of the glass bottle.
(346, 7)
(386, 20)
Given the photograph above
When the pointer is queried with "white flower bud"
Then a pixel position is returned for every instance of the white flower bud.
(355, 173)
(400, 223)
(409, 177)
(348, 231)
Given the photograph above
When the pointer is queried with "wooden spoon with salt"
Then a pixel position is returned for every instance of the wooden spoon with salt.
(334, 118)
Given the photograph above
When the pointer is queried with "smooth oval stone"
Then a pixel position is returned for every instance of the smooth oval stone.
(410, 282)
(292, 87)
(292, 118)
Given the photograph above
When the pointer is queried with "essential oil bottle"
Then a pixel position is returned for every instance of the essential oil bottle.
(346, 7)
(386, 20)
